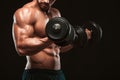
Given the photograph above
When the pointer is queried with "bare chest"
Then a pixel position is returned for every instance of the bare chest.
(40, 24)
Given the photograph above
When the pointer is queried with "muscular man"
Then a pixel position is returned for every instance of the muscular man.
(43, 60)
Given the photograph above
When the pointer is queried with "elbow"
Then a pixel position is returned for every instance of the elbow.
(22, 52)
(66, 48)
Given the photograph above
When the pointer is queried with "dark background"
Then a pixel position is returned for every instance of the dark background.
(99, 62)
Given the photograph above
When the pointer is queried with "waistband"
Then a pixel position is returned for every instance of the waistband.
(43, 71)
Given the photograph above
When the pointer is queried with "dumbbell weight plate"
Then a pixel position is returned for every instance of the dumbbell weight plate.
(57, 28)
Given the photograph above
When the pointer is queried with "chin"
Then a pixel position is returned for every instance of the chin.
(44, 7)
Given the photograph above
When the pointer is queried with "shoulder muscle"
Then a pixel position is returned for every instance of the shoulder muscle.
(56, 12)
(24, 16)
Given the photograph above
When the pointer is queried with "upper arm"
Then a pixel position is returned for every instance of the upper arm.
(56, 12)
(22, 25)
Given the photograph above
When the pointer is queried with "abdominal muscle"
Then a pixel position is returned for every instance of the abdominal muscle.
(48, 58)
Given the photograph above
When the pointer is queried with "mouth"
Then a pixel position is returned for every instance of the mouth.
(44, 6)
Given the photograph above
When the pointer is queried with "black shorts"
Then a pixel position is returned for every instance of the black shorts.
(42, 74)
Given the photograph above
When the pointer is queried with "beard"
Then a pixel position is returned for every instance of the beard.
(44, 6)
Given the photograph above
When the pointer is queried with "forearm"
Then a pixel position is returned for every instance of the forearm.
(66, 48)
(30, 46)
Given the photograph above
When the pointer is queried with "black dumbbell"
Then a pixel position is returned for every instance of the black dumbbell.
(60, 31)
(63, 33)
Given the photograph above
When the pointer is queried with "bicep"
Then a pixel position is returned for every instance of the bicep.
(22, 26)
(23, 32)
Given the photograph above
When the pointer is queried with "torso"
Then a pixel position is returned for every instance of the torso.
(49, 57)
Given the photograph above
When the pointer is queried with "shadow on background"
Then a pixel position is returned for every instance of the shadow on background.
(99, 62)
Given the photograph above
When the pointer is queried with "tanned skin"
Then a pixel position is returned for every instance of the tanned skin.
(30, 38)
